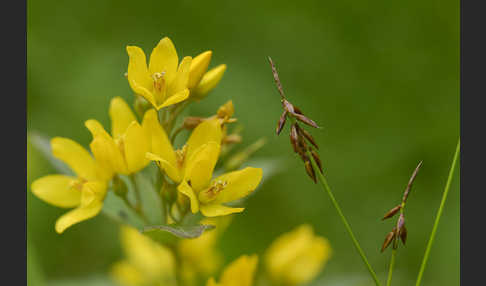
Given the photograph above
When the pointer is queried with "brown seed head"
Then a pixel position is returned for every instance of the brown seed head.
(317, 159)
(410, 182)
(403, 235)
(305, 120)
(310, 171)
(277, 80)
(281, 122)
(388, 239)
(392, 212)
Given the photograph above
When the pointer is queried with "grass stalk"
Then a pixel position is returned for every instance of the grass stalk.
(439, 214)
(392, 266)
(326, 187)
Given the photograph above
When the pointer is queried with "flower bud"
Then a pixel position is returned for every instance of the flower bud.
(141, 105)
(199, 66)
(208, 82)
(192, 122)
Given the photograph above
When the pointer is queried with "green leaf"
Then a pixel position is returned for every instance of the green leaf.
(169, 234)
(151, 203)
(43, 143)
(115, 208)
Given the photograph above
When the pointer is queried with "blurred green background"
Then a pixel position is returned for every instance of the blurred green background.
(381, 77)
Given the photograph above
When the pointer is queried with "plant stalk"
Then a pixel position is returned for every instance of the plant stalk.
(324, 183)
(392, 266)
(439, 214)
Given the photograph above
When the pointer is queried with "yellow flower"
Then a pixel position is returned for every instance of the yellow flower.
(164, 82)
(85, 192)
(146, 263)
(199, 256)
(200, 81)
(239, 273)
(193, 167)
(123, 151)
(297, 257)
(174, 162)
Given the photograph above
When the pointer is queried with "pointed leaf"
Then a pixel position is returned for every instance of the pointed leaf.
(169, 234)
(42, 143)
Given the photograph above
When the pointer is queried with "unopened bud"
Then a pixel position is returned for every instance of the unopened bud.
(141, 105)
(192, 122)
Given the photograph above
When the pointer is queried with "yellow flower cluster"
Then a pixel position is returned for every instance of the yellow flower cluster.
(294, 258)
(132, 144)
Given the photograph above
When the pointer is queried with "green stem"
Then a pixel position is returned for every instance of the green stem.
(324, 183)
(439, 213)
(138, 205)
(392, 265)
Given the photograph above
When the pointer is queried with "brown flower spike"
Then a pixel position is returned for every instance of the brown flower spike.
(298, 136)
(399, 231)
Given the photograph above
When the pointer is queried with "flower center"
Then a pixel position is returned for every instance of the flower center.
(211, 193)
(181, 156)
(159, 81)
(78, 184)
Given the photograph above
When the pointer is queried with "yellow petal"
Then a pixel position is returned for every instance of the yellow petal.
(164, 59)
(240, 272)
(209, 80)
(212, 210)
(297, 257)
(149, 257)
(176, 98)
(148, 94)
(209, 130)
(160, 143)
(75, 156)
(96, 129)
(239, 184)
(181, 80)
(127, 274)
(199, 66)
(92, 197)
(138, 75)
(201, 164)
(187, 190)
(108, 156)
(136, 145)
(121, 116)
(169, 169)
(57, 190)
